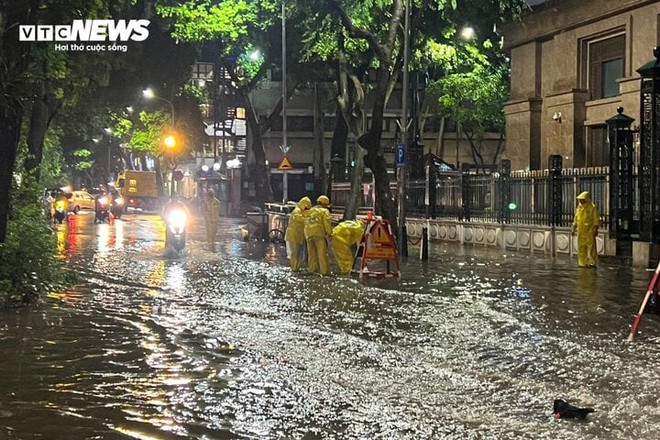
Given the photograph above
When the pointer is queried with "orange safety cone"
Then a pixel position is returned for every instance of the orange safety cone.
(649, 292)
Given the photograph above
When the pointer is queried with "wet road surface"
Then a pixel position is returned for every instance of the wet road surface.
(473, 344)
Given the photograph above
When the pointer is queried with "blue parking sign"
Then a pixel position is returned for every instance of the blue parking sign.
(400, 155)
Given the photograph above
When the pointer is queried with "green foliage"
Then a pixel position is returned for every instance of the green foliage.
(84, 159)
(52, 161)
(473, 92)
(148, 132)
(28, 263)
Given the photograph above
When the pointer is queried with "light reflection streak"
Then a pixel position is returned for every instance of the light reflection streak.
(103, 236)
(119, 234)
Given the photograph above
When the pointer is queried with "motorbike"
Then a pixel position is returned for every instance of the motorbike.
(117, 206)
(101, 213)
(176, 220)
(59, 213)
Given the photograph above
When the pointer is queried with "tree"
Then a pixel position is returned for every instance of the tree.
(469, 85)
(42, 87)
(379, 25)
(14, 86)
(237, 29)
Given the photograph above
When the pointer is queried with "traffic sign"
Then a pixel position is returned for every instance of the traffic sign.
(400, 154)
(285, 164)
(378, 244)
(380, 234)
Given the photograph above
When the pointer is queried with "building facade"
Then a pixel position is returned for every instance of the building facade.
(573, 62)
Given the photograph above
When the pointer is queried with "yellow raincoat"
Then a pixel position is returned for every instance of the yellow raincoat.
(344, 236)
(586, 223)
(211, 218)
(318, 225)
(295, 232)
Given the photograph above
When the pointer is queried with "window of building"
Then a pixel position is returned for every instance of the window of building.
(598, 150)
(603, 59)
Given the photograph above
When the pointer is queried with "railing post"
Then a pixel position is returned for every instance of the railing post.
(505, 192)
(430, 195)
(466, 193)
(556, 196)
(424, 249)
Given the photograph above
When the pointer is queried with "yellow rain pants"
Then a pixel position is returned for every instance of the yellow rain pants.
(318, 225)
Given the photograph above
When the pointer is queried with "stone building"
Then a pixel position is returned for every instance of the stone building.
(573, 62)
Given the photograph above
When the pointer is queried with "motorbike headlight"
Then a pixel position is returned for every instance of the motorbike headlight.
(103, 201)
(59, 205)
(119, 201)
(177, 218)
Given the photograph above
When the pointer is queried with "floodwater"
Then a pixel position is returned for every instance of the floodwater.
(473, 344)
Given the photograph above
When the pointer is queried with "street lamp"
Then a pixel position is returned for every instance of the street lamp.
(149, 94)
(170, 143)
(467, 33)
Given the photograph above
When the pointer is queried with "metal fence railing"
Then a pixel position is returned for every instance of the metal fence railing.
(519, 197)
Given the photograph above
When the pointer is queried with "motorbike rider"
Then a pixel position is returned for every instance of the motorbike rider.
(175, 215)
(102, 205)
(173, 204)
(60, 206)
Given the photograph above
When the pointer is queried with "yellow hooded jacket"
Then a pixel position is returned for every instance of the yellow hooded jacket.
(295, 232)
(348, 232)
(318, 223)
(586, 215)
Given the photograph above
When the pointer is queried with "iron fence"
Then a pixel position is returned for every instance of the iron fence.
(519, 197)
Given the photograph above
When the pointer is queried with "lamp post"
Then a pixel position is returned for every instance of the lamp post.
(170, 141)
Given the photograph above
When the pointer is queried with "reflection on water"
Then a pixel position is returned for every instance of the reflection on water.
(474, 343)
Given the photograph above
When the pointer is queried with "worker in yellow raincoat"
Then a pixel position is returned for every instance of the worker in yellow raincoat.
(586, 223)
(318, 226)
(344, 236)
(295, 232)
(211, 207)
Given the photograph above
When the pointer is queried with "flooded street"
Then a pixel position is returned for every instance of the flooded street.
(473, 344)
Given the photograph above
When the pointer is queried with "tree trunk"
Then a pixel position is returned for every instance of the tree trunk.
(350, 117)
(264, 192)
(37, 131)
(10, 120)
(384, 203)
(14, 59)
(355, 197)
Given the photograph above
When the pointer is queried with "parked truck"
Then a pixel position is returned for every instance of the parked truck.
(138, 188)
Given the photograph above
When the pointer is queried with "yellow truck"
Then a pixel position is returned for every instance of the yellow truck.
(138, 188)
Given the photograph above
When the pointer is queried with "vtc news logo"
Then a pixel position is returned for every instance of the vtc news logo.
(87, 30)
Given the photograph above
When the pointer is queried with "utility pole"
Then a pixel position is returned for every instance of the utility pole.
(285, 147)
(402, 236)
